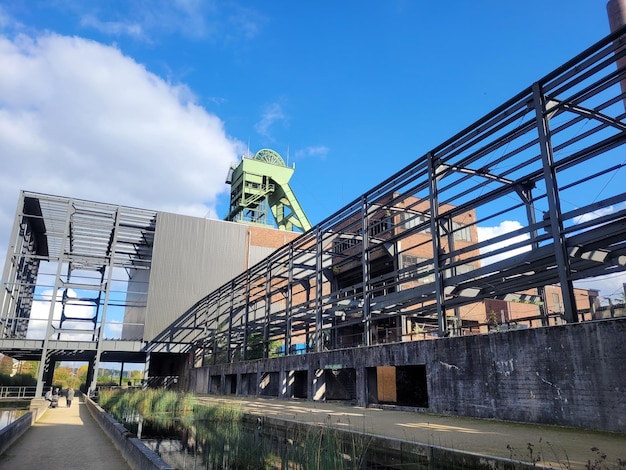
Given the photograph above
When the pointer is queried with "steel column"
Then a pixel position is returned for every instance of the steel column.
(436, 240)
(55, 290)
(319, 265)
(367, 319)
(107, 290)
(554, 205)
(289, 301)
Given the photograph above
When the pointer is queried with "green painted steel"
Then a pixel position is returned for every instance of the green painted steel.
(260, 186)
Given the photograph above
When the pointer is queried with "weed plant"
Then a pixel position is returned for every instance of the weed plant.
(221, 438)
(147, 403)
(218, 433)
(320, 449)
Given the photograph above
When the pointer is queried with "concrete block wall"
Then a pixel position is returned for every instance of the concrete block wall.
(136, 454)
(570, 375)
(567, 375)
(11, 433)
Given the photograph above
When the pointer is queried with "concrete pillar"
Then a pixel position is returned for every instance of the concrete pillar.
(361, 386)
(319, 385)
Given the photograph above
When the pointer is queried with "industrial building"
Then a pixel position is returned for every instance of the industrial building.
(393, 300)
(96, 282)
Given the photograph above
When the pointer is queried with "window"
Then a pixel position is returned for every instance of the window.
(409, 260)
(379, 226)
(411, 220)
(423, 268)
(464, 268)
(461, 232)
(342, 244)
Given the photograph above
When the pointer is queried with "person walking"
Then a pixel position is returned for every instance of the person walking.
(69, 397)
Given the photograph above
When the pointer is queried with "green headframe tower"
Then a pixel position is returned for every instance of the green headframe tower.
(260, 184)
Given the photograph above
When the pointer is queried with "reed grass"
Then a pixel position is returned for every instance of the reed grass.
(219, 434)
(147, 402)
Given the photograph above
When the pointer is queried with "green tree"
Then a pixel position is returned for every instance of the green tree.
(255, 346)
(61, 375)
(136, 376)
(24, 380)
(6, 365)
(29, 368)
(81, 373)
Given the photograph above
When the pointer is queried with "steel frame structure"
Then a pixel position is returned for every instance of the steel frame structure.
(549, 159)
(406, 252)
(75, 259)
(260, 184)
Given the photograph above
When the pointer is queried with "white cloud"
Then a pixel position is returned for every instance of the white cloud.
(272, 114)
(113, 28)
(74, 309)
(507, 226)
(113, 329)
(151, 21)
(599, 213)
(319, 151)
(80, 119)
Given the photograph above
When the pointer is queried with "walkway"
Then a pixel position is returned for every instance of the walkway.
(559, 447)
(64, 438)
(69, 438)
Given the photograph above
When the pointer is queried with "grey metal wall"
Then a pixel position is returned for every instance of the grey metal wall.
(136, 301)
(258, 254)
(191, 257)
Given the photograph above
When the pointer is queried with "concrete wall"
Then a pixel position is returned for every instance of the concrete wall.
(569, 375)
(572, 375)
(136, 454)
(9, 434)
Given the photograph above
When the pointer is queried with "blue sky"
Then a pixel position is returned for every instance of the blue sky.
(147, 103)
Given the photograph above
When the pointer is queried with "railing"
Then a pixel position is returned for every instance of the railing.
(17, 392)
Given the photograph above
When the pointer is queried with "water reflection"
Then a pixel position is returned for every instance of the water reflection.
(7, 416)
(213, 444)
(186, 443)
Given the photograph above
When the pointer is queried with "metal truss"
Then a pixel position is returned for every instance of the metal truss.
(75, 259)
(408, 252)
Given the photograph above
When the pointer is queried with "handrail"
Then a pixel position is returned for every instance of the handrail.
(17, 392)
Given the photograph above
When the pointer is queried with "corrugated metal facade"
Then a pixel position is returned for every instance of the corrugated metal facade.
(136, 302)
(191, 257)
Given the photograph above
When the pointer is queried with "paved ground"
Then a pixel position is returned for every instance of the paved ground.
(69, 438)
(64, 438)
(559, 447)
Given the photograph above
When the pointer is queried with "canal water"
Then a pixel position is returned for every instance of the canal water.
(11, 411)
(213, 445)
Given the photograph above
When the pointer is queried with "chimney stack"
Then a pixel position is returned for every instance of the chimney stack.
(616, 10)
